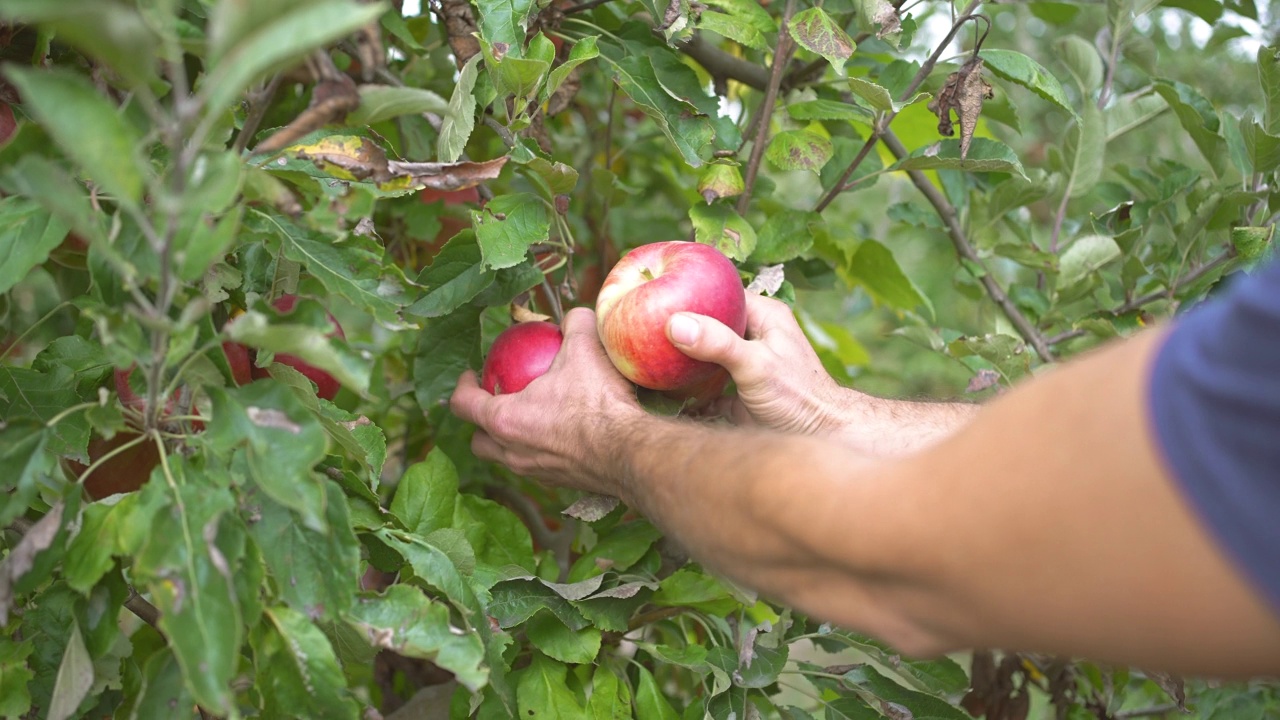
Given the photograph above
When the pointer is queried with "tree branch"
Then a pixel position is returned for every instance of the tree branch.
(883, 125)
(781, 56)
(966, 251)
(722, 65)
(1149, 711)
(1166, 294)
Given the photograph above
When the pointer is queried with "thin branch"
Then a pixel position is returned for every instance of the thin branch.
(781, 56)
(883, 125)
(721, 64)
(1105, 94)
(145, 611)
(258, 104)
(966, 251)
(583, 7)
(1164, 709)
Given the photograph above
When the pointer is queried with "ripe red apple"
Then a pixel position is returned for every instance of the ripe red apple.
(240, 362)
(134, 400)
(124, 472)
(8, 124)
(520, 354)
(326, 385)
(649, 285)
(465, 196)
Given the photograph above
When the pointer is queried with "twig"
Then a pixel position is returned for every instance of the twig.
(781, 56)
(883, 125)
(145, 611)
(583, 7)
(258, 105)
(1166, 294)
(1148, 711)
(966, 251)
(1105, 94)
(654, 616)
(721, 64)
(507, 138)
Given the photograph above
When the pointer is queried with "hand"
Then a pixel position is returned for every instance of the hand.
(783, 386)
(564, 427)
(781, 382)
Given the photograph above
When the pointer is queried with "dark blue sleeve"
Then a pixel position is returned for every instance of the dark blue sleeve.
(1215, 402)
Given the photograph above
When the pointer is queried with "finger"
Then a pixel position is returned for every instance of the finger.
(708, 339)
(486, 448)
(470, 401)
(764, 313)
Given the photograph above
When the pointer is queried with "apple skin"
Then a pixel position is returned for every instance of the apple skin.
(520, 354)
(650, 284)
(240, 362)
(130, 397)
(326, 385)
(123, 473)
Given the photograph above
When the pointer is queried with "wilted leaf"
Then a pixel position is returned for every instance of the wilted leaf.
(720, 180)
(768, 280)
(23, 556)
(880, 13)
(799, 150)
(963, 92)
(724, 229)
(815, 31)
(591, 507)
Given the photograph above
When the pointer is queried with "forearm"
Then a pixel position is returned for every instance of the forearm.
(883, 427)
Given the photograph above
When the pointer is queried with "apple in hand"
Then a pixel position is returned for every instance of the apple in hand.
(520, 354)
(326, 385)
(649, 285)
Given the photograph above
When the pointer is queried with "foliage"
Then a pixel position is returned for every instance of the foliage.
(179, 164)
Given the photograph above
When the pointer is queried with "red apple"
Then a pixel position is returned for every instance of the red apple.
(520, 354)
(326, 385)
(132, 399)
(240, 362)
(123, 472)
(465, 196)
(8, 124)
(649, 285)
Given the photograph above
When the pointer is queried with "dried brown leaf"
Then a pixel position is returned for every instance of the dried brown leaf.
(449, 176)
(332, 99)
(591, 507)
(23, 556)
(460, 24)
(964, 92)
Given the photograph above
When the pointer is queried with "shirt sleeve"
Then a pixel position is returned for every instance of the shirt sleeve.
(1214, 397)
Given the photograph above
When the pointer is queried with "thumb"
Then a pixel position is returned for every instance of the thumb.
(707, 339)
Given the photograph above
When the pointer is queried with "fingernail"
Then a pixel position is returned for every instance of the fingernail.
(683, 329)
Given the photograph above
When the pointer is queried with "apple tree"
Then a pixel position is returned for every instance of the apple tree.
(247, 247)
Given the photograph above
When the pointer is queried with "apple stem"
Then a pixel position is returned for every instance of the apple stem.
(648, 275)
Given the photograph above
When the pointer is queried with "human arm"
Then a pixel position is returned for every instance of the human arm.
(1047, 523)
(781, 385)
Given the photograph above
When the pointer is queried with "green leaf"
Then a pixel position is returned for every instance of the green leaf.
(28, 233)
(89, 555)
(1021, 70)
(583, 50)
(311, 344)
(1087, 151)
(460, 121)
(353, 269)
(692, 588)
(921, 704)
(384, 102)
(15, 697)
(505, 21)
(499, 537)
(1251, 243)
(276, 43)
(516, 600)
(1084, 257)
(283, 442)
(1082, 60)
(799, 150)
(1127, 113)
(720, 180)
(155, 689)
(610, 696)
(447, 346)
(315, 572)
(651, 703)
(456, 275)
(828, 110)
(985, 155)
(299, 674)
(507, 226)
(874, 268)
(114, 33)
(560, 179)
(690, 133)
(28, 394)
(65, 104)
(785, 236)
(879, 97)
(543, 693)
(618, 550)
(1269, 78)
(734, 28)
(75, 678)
(815, 31)
(46, 182)
(1197, 116)
(1263, 149)
(513, 75)
(190, 581)
(547, 633)
(719, 226)
(436, 569)
(427, 494)
(408, 623)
